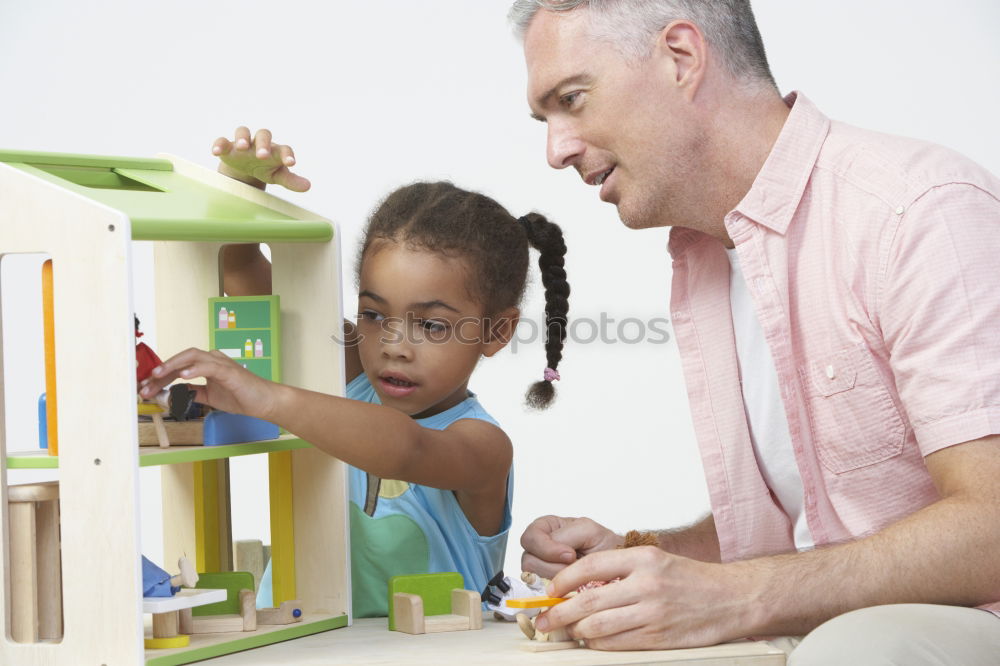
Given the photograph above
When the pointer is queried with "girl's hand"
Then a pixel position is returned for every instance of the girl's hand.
(257, 161)
(229, 386)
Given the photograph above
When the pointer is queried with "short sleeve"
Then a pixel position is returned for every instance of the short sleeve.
(940, 314)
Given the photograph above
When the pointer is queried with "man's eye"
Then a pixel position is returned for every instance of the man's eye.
(569, 100)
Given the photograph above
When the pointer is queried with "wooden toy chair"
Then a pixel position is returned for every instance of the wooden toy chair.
(407, 611)
(35, 566)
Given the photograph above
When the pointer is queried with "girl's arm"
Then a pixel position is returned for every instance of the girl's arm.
(471, 457)
(245, 270)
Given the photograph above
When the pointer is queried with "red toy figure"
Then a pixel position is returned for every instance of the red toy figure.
(178, 398)
(145, 358)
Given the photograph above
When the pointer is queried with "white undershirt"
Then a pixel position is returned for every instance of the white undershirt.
(772, 443)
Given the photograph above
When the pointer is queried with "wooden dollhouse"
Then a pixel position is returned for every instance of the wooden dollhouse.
(84, 212)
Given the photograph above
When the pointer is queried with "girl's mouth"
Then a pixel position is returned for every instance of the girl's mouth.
(396, 387)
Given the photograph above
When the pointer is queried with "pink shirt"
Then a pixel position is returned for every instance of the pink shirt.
(872, 263)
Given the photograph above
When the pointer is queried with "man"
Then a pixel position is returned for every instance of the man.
(834, 305)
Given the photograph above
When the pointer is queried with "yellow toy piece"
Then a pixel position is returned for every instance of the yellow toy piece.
(149, 408)
(179, 641)
(534, 602)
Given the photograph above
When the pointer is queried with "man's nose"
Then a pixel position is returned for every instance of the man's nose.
(564, 145)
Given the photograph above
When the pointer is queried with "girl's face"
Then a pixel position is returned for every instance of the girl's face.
(421, 330)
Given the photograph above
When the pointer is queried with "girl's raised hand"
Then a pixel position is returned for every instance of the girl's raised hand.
(229, 386)
(258, 161)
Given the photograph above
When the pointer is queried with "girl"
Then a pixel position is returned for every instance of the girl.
(441, 272)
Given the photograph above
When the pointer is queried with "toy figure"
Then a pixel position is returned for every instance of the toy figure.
(177, 400)
(158, 583)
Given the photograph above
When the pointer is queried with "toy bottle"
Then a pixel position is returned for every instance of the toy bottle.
(223, 317)
(232, 319)
(248, 348)
(258, 349)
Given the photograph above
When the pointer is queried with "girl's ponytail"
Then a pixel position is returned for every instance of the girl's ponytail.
(547, 238)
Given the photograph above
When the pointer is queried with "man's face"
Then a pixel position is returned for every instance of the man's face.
(624, 126)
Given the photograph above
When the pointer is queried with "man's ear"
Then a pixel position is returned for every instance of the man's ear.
(500, 330)
(684, 48)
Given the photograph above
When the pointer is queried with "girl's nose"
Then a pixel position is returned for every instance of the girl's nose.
(395, 343)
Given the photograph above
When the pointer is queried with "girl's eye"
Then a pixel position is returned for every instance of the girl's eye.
(370, 315)
(432, 326)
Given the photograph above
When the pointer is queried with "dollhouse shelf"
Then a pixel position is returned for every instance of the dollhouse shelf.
(186, 598)
(149, 456)
(206, 646)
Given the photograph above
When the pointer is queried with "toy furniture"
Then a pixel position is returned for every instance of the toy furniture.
(159, 430)
(85, 212)
(35, 572)
(167, 611)
(430, 603)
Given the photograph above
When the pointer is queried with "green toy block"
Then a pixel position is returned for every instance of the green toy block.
(434, 588)
(232, 582)
(253, 319)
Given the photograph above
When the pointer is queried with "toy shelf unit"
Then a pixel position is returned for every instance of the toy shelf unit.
(84, 212)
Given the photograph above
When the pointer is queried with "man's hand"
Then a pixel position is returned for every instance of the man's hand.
(258, 161)
(661, 602)
(552, 542)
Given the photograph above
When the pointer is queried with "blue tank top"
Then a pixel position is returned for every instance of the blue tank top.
(404, 528)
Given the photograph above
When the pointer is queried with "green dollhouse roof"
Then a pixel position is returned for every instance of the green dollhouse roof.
(163, 204)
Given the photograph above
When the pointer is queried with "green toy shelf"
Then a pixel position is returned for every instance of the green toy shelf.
(150, 456)
(206, 646)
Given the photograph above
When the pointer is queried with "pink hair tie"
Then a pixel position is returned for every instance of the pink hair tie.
(551, 375)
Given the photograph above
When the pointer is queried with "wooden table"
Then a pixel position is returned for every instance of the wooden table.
(369, 642)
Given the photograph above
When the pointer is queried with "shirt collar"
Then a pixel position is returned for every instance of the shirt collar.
(777, 190)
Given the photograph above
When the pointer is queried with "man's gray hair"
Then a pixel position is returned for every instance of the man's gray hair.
(631, 25)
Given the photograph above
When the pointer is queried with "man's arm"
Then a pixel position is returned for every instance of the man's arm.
(699, 541)
(552, 542)
(944, 553)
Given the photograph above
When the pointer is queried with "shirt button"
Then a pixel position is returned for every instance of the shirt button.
(899, 210)
(830, 373)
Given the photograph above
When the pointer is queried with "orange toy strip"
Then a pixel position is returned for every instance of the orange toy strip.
(534, 602)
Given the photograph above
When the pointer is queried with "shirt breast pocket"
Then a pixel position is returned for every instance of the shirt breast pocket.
(853, 420)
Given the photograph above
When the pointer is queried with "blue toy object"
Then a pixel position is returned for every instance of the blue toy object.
(225, 428)
(156, 581)
(43, 424)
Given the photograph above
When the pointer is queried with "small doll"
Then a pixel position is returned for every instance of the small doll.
(158, 583)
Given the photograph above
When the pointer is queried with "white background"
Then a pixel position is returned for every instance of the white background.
(377, 94)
